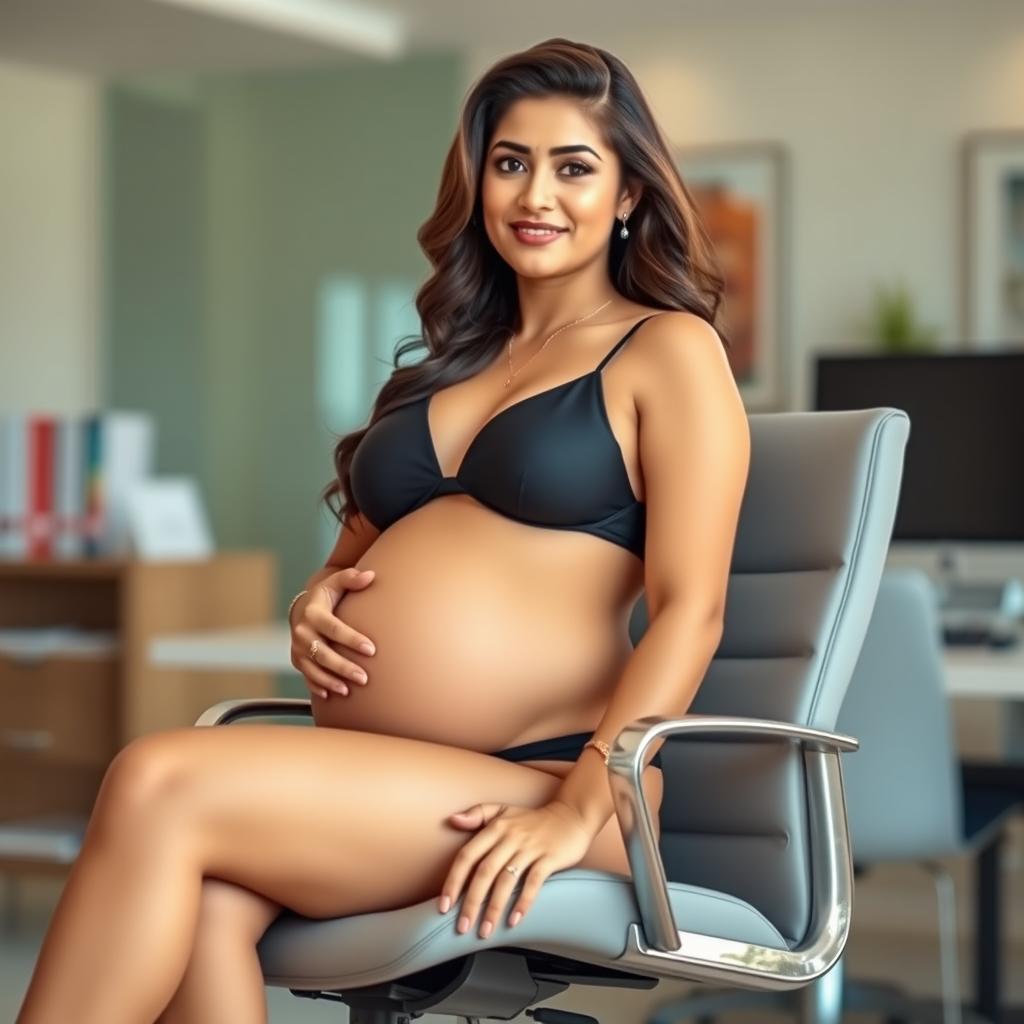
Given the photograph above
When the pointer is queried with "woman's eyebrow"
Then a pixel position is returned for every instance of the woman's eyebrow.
(554, 151)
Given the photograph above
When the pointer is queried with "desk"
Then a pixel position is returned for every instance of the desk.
(972, 673)
(265, 647)
(991, 674)
(984, 672)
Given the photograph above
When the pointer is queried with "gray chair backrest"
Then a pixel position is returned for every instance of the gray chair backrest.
(811, 543)
(898, 708)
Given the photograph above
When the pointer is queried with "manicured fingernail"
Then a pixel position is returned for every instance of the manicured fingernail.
(463, 925)
(446, 902)
(515, 919)
(486, 930)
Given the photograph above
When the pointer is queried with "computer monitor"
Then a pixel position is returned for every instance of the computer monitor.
(963, 475)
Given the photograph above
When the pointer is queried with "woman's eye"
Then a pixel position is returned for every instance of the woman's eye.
(583, 168)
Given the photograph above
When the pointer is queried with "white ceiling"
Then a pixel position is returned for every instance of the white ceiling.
(107, 37)
(103, 37)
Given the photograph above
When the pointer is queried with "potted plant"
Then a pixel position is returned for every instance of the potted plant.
(894, 326)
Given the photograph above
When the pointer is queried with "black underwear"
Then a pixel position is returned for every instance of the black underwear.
(557, 748)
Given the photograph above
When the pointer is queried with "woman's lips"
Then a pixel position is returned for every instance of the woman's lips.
(532, 238)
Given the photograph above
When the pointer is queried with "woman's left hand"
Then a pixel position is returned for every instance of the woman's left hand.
(538, 842)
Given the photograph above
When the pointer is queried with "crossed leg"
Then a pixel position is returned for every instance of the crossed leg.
(326, 822)
(223, 983)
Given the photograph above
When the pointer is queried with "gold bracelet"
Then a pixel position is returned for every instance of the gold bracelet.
(600, 746)
(292, 605)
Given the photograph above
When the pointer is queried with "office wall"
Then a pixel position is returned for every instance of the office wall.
(154, 215)
(49, 240)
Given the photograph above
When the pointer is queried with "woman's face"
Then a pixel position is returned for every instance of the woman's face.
(575, 190)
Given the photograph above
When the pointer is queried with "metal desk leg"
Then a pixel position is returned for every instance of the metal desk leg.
(988, 932)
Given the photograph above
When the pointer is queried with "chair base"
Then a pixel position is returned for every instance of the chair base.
(493, 984)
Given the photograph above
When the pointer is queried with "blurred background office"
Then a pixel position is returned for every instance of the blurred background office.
(208, 217)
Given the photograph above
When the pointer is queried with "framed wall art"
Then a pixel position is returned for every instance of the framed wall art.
(992, 250)
(740, 191)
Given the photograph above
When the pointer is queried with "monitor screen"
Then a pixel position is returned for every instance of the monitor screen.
(963, 474)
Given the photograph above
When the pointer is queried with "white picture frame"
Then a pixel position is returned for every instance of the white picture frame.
(992, 223)
(167, 520)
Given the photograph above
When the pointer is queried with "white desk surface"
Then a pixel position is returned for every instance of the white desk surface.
(985, 672)
(971, 672)
(260, 648)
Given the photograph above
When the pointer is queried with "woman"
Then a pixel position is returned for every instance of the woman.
(512, 496)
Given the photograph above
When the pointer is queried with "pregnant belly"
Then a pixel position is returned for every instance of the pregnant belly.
(488, 632)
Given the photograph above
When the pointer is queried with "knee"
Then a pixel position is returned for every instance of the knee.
(142, 774)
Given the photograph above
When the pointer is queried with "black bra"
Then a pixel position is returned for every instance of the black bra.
(550, 460)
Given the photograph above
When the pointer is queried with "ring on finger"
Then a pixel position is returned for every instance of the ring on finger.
(513, 869)
(313, 648)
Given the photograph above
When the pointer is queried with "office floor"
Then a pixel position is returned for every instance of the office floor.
(909, 960)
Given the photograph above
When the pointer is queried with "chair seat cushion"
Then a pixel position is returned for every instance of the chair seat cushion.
(578, 913)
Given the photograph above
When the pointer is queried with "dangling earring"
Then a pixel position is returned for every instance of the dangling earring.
(624, 231)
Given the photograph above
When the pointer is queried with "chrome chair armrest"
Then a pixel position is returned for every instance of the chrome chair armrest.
(715, 959)
(228, 711)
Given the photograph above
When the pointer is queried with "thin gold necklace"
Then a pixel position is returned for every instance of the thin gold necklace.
(541, 349)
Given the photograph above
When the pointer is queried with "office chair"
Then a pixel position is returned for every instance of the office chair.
(751, 883)
(906, 798)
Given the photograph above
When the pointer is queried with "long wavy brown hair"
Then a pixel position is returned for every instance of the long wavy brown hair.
(469, 306)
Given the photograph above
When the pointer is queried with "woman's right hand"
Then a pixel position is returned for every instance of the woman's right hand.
(312, 619)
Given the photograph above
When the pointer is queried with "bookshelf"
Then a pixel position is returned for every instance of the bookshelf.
(65, 712)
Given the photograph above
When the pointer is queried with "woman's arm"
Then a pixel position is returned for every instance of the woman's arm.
(354, 538)
(694, 442)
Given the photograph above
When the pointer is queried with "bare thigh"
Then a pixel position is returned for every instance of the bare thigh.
(327, 822)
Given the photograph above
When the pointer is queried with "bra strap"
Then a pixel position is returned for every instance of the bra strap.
(622, 341)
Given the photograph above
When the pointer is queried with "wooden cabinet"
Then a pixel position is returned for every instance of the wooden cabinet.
(60, 709)
(63, 717)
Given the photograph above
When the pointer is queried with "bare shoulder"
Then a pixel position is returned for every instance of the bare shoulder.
(677, 348)
(676, 327)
